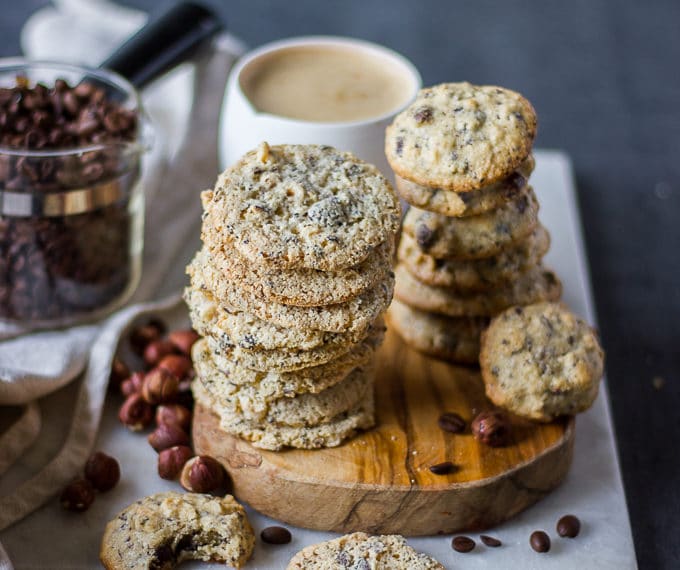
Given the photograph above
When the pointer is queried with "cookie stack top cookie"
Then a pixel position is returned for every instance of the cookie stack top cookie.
(471, 243)
(288, 290)
(302, 207)
(461, 137)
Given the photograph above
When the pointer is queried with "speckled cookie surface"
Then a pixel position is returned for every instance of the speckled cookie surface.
(302, 206)
(536, 285)
(455, 339)
(541, 362)
(162, 530)
(302, 287)
(276, 437)
(281, 383)
(252, 404)
(460, 136)
(231, 327)
(474, 237)
(353, 316)
(459, 204)
(475, 274)
(359, 551)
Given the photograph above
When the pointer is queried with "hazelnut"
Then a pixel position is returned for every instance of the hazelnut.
(77, 496)
(203, 474)
(143, 335)
(102, 471)
(171, 461)
(174, 414)
(167, 435)
(184, 340)
(119, 372)
(491, 427)
(160, 386)
(136, 413)
(177, 364)
(156, 350)
(133, 384)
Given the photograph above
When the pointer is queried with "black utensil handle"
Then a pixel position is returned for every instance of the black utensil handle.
(164, 42)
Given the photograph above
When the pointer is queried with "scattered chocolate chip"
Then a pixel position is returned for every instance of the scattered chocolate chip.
(451, 422)
(423, 115)
(568, 526)
(276, 535)
(539, 541)
(399, 147)
(492, 428)
(424, 236)
(443, 468)
(463, 544)
(490, 541)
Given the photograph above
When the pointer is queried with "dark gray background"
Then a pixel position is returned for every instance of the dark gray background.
(604, 77)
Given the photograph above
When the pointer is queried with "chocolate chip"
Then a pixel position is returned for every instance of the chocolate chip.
(424, 236)
(568, 526)
(443, 468)
(463, 544)
(490, 541)
(451, 422)
(539, 541)
(423, 115)
(276, 535)
(399, 147)
(522, 204)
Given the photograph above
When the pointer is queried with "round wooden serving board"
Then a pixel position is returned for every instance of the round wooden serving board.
(379, 481)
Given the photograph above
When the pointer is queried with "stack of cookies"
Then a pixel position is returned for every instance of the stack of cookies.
(471, 243)
(288, 292)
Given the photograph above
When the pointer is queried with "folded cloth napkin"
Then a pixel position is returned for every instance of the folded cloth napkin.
(34, 364)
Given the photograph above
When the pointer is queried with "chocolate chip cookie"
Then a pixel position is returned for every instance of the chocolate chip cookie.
(541, 361)
(474, 237)
(302, 206)
(460, 204)
(537, 284)
(278, 436)
(353, 316)
(475, 274)
(360, 550)
(455, 339)
(165, 529)
(461, 137)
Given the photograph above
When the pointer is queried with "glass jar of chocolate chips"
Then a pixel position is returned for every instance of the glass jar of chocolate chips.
(71, 206)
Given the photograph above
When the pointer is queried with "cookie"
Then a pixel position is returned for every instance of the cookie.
(279, 383)
(360, 550)
(353, 316)
(460, 204)
(474, 237)
(231, 327)
(252, 404)
(276, 437)
(284, 360)
(475, 274)
(303, 287)
(165, 529)
(537, 284)
(541, 361)
(302, 206)
(461, 137)
(455, 339)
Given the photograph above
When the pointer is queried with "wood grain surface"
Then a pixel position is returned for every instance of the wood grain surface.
(380, 481)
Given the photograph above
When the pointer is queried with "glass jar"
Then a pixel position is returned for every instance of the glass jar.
(71, 218)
